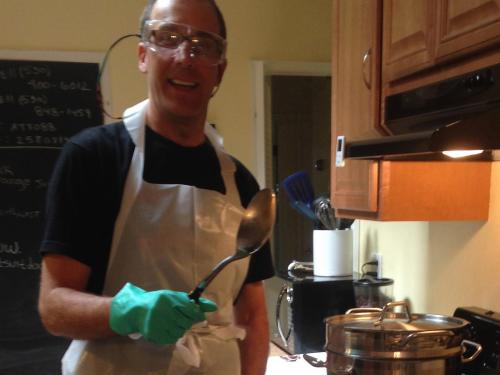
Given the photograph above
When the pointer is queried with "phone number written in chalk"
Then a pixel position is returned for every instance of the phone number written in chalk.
(60, 112)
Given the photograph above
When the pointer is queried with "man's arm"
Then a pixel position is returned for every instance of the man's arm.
(65, 308)
(251, 313)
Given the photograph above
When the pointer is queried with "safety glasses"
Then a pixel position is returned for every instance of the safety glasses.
(164, 38)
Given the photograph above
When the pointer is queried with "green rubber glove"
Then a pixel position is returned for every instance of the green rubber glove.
(160, 316)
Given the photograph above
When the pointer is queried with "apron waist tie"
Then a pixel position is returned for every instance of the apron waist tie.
(188, 347)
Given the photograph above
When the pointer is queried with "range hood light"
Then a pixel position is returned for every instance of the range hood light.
(461, 153)
(469, 136)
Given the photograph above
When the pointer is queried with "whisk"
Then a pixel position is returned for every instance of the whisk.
(324, 212)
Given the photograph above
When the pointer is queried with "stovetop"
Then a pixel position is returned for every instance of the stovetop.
(484, 330)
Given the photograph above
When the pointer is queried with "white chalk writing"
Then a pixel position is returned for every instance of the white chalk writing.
(19, 214)
(38, 84)
(41, 85)
(20, 183)
(26, 71)
(44, 127)
(59, 112)
(10, 73)
(74, 86)
(6, 170)
(10, 248)
(7, 99)
(27, 99)
(38, 140)
(40, 183)
(27, 264)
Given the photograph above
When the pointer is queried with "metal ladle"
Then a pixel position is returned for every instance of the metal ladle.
(254, 230)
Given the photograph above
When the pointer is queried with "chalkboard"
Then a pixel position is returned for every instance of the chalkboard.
(42, 104)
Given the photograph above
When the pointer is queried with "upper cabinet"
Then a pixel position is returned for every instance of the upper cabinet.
(466, 26)
(424, 33)
(408, 36)
(382, 47)
(356, 96)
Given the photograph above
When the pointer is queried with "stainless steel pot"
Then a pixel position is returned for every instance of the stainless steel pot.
(383, 342)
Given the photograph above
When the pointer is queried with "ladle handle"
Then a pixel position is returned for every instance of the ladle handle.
(195, 294)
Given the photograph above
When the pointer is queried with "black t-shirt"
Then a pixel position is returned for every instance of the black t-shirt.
(86, 187)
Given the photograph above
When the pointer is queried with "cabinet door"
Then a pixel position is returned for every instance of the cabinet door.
(465, 26)
(356, 27)
(408, 37)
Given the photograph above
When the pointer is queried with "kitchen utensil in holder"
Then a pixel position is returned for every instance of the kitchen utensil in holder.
(332, 252)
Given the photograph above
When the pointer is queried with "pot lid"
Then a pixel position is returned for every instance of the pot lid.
(403, 323)
(389, 321)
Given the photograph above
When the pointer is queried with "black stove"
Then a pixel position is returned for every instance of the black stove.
(484, 330)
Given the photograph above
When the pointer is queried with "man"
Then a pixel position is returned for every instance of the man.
(140, 211)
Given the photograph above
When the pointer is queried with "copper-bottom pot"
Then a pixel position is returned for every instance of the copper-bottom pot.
(382, 342)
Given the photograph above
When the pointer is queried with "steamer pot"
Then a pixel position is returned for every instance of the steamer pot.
(383, 342)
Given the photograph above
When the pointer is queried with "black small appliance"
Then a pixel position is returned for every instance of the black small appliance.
(298, 304)
(485, 330)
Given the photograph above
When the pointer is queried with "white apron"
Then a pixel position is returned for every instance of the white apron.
(171, 236)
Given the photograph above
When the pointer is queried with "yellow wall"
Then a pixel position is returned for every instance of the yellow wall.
(441, 265)
(437, 265)
(282, 30)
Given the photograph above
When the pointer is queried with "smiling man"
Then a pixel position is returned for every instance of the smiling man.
(139, 211)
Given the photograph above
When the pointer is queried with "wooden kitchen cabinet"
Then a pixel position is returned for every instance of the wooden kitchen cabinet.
(466, 26)
(385, 190)
(408, 37)
(355, 97)
(420, 34)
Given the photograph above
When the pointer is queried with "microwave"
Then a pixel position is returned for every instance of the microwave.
(297, 308)
(459, 113)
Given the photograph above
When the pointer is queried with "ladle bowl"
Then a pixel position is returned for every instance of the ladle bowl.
(255, 229)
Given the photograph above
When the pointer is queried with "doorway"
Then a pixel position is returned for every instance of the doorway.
(300, 122)
(293, 135)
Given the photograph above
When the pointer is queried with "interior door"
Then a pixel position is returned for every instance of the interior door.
(300, 115)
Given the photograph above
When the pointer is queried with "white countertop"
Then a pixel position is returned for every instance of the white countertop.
(294, 365)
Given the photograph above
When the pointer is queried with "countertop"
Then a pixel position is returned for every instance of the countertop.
(294, 365)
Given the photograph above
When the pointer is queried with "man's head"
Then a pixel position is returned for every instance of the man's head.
(182, 53)
(146, 15)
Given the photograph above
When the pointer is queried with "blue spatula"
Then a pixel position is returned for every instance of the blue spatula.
(299, 188)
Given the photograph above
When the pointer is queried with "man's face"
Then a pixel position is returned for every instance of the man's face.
(180, 86)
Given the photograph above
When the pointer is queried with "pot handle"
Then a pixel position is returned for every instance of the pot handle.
(416, 335)
(358, 310)
(474, 355)
(283, 292)
(391, 305)
(315, 362)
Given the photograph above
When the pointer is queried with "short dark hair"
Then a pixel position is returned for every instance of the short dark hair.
(148, 9)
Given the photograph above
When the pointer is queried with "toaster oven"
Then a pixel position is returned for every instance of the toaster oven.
(297, 307)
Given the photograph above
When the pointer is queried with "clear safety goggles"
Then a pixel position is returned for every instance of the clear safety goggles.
(164, 38)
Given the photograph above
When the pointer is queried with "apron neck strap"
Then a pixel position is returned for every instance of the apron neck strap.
(134, 119)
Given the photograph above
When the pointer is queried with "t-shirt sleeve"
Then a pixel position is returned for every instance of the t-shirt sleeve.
(84, 195)
(261, 264)
(68, 218)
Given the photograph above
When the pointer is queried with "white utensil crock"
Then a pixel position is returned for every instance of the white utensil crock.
(332, 252)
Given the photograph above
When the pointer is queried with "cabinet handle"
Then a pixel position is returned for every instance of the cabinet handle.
(367, 66)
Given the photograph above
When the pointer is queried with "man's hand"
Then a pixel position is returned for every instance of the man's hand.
(160, 316)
